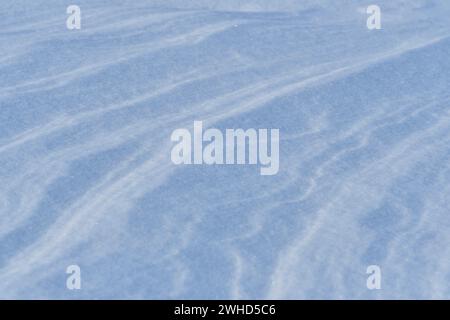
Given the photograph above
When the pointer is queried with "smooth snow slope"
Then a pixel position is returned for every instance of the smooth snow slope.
(85, 170)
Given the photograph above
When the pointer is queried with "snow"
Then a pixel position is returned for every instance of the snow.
(86, 178)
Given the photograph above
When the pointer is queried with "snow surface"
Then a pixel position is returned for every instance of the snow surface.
(85, 171)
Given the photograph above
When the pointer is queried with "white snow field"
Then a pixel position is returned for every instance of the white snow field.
(85, 171)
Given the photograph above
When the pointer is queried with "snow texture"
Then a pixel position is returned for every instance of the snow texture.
(85, 170)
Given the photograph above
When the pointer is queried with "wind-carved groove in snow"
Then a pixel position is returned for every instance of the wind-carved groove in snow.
(49, 83)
